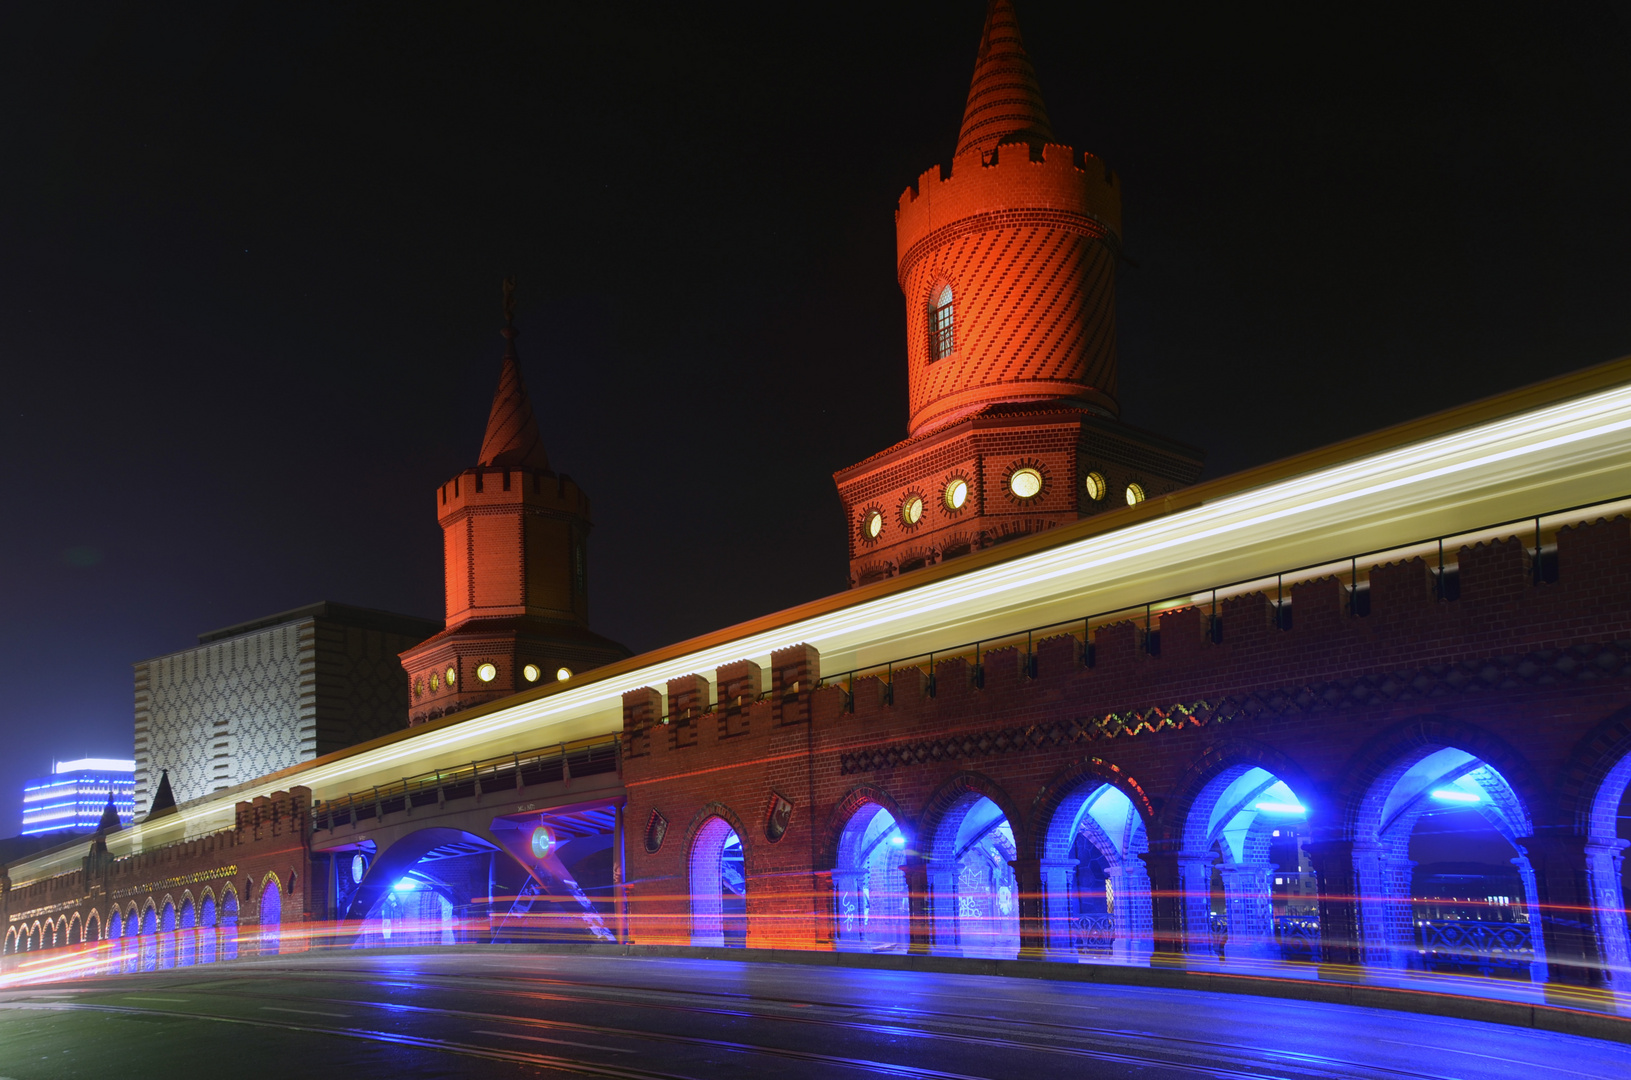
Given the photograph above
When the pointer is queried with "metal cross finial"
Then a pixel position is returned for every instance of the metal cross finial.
(509, 300)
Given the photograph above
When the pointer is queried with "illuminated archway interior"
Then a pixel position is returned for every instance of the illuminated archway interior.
(873, 908)
(718, 886)
(1444, 882)
(1249, 887)
(1095, 884)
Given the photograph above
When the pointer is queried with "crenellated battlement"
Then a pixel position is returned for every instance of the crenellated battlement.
(1074, 186)
(506, 487)
(1486, 622)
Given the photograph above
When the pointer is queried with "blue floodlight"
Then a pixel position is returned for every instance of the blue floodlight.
(1457, 795)
(898, 840)
(1282, 808)
(406, 884)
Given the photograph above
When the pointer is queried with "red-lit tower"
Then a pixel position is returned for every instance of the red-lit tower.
(1008, 265)
(515, 557)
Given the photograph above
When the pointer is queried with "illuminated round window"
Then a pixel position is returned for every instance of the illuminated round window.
(531, 672)
(359, 866)
(1025, 483)
(1135, 494)
(912, 512)
(1096, 487)
(873, 525)
(418, 687)
(435, 681)
(452, 676)
(487, 673)
(562, 674)
(956, 494)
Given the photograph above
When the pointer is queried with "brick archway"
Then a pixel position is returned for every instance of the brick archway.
(1067, 783)
(958, 918)
(1590, 788)
(1220, 756)
(1380, 879)
(705, 841)
(1418, 737)
(856, 799)
(955, 791)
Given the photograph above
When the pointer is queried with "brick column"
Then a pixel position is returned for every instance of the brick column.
(1560, 863)
(1605, 860)
(1339, 901)
(1058, 879)
(1248, 900)
(1180, 898)
(1033, 925)
(922, 907)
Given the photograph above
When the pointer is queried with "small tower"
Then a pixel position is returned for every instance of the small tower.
(515, 555)
(1008, 266)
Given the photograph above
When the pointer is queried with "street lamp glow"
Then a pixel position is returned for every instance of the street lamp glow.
(1456, 796)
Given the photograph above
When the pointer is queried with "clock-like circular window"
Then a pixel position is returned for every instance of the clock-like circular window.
(912, 512)
(1096, 487)
(435, 681)
(487, 673)
(1025, 483)
(531, 672)
(1135, 494)
(873, 525)
(956, 494)
(562, 674)
(452, 676)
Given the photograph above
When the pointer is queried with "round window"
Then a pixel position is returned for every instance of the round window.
(1096, 486)
(912, 512)
(418, 687)
(562, 674)
(956, 494)
(452, 676)
(1025, 483)
(435, 681)
(531, 672)
(873, 525)
(1135, 494)
(487, 673)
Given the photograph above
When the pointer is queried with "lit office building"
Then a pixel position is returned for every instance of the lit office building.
(76, 793)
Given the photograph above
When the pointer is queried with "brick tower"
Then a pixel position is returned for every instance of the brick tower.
(1008, 265)
(514, 551)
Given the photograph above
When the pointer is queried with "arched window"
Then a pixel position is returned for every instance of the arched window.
(941, 335)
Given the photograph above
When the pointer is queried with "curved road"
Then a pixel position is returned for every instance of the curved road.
(503, 1014)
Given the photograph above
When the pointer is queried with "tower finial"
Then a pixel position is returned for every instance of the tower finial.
(512, 432)
(1004, 100)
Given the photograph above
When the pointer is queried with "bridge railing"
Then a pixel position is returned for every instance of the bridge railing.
(513, 772)
(1537, 532)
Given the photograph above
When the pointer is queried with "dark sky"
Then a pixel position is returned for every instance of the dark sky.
(250, 258)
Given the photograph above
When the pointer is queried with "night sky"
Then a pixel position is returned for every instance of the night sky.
(250, 257)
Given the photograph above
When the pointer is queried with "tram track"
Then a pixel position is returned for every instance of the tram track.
(638, 996)
(1226, 1061)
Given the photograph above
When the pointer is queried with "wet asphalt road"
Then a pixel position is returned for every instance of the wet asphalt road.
(466, 1014)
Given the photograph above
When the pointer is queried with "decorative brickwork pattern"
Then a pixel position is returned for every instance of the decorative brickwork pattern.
(320, 679)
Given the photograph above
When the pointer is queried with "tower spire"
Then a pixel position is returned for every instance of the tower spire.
(1004, 100)
(512, 432)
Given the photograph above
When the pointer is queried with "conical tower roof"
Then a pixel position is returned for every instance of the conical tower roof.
(1004, 101)
(110, 816)
(164, 800)
(512, 432)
